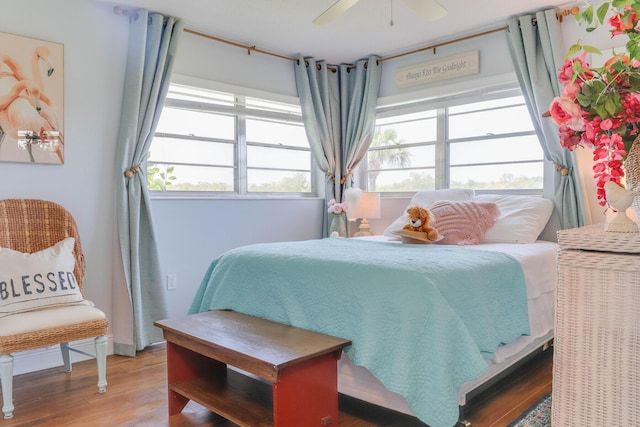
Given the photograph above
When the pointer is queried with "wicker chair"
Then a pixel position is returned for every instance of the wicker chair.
(28, 225)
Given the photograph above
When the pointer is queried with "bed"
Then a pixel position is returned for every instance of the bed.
(429, 323)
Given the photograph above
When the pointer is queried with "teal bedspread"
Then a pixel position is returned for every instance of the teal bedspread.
(422, 318)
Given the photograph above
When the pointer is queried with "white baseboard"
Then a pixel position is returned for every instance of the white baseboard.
(51, 357)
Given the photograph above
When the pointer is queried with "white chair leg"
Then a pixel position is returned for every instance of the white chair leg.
(6, 379)
(101, 359)
(64, 349)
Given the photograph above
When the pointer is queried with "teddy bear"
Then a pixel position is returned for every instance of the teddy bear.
(418, 220)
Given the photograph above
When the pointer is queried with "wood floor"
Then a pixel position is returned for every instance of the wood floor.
(136, 396)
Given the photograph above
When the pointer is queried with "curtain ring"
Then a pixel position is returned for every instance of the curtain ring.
(132, 171)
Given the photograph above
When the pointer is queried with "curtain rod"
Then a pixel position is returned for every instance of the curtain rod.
(252, 48)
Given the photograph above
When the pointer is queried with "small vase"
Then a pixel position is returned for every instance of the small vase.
(338, 225)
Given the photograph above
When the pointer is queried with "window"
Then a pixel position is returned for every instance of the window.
(227, 143)
(484, 142)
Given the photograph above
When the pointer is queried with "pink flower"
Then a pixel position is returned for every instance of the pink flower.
(606, 124)
(620, 24)
(565, 112)
(571, 89)
(568, 138)
(567, 71)
(337, 208)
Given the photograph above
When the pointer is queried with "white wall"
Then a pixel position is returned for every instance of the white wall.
(191, 233)
(94, 62)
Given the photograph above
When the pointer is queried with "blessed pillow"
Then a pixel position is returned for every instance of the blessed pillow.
(463, 222)
(425, 199)
(42, 279)
(522, 218)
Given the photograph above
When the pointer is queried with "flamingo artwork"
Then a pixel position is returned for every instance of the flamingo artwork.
(22, 113)
(30, 103)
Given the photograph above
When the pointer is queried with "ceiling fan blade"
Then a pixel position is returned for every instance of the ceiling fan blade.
(335, 10)
(430, 10)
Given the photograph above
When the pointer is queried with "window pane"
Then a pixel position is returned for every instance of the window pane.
(497, 177)
(402, 180)
(410, 132)
(196, 123)
(420, 115)
(267, 157)
(189, 178)
(519, 148)
(490, 122)
(403, 157)
(274, 106)
(278, 181)
(277, 133)
(174, 150)
(489, 104)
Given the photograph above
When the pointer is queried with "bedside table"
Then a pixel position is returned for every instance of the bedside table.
(596, 372)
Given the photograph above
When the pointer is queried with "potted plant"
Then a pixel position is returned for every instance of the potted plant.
(599, 107)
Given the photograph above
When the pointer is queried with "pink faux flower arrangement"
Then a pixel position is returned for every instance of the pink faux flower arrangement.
(337, 208)
(599, 107)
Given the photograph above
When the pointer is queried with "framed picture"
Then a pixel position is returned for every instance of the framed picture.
(31, 100)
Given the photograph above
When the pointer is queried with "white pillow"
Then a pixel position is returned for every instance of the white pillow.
(42, 279)
(521, 220)
(425, 198)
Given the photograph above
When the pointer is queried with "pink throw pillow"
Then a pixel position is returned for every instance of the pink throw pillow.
(463, 222)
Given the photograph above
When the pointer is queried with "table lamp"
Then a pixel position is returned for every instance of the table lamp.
(367, 206)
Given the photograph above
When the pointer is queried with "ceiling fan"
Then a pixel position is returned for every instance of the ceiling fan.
(428, 9)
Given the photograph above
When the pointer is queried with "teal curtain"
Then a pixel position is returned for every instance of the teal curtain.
(536, 49)
(153, 41)
(338, 109)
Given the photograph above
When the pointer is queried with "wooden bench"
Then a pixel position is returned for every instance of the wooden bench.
(296, 370)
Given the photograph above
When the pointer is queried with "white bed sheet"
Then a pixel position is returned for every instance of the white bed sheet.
(538, 262)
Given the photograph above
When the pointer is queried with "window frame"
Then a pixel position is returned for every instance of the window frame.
(240, 167)
(439, 99)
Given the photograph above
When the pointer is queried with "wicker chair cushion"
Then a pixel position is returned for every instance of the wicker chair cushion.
(60, 317)
(38, 280)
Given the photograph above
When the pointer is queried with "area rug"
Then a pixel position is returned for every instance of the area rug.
(539, 415)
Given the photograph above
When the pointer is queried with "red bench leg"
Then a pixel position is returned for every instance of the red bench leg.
(307, 394)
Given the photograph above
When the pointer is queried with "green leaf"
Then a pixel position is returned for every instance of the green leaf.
(602, 12)
(610, 106)
(588, 14)
(577, 47)
(601, 111)
(620, 3)
(633, 47)
(592, 49)
(583, 100)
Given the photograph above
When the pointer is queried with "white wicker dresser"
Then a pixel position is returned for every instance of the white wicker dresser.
(596, 372)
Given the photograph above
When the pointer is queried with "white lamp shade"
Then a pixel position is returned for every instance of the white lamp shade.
(367, 206)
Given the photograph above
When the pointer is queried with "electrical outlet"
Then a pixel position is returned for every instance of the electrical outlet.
(172, 282)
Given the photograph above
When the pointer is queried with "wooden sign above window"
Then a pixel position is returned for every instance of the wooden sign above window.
(450, 67)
